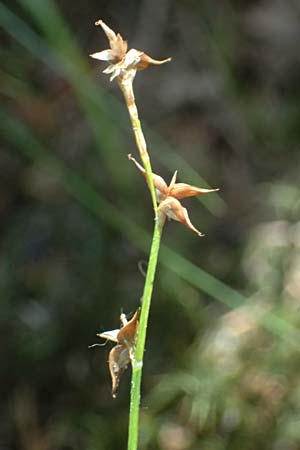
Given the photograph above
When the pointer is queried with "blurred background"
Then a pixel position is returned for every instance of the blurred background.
(222, 361)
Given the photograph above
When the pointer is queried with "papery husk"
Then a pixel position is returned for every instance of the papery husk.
(127, 333)
(111, 335)
(118, 361)
(173, 209)
(104, 55)
(147, 61)
(183, 190)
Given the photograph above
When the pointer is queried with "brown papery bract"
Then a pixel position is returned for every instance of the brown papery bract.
(127, 333)
(118, 361)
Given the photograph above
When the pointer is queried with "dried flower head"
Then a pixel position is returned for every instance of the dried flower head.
(121, 60)
(168, 197)
(121, 355)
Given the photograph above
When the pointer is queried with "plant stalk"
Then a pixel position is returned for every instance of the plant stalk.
(137, 363)
(126, 86)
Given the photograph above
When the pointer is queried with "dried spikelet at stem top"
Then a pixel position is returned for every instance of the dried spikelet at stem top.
(121, 60)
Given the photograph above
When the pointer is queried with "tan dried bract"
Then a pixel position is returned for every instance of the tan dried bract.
(127, 333)
(168, 197)
(121, 60)
(118, 361)
(121, 355)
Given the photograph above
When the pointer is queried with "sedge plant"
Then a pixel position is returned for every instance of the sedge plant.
(131, 337)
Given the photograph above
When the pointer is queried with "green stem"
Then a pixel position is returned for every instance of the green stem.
(125, 83)
(137, 363)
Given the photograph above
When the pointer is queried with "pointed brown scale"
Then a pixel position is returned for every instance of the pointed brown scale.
(183, 190)
(186, 221)
(172, 183)
(127, 333)
(173, 209)
(146, 61)
(118, 361)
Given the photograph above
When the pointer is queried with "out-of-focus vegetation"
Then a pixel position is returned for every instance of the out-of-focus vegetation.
(222, 362)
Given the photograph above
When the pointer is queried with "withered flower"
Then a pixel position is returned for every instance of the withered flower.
(168, 197)
(121, 60)
(121, 355)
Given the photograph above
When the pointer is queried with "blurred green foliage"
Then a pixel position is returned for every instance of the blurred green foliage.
(222, 360)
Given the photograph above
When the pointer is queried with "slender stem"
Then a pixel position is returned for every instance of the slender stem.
(126, 87)
(137, 363)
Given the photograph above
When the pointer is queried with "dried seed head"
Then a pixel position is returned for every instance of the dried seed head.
(121, 60)
(167, 197)
(121, 355)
